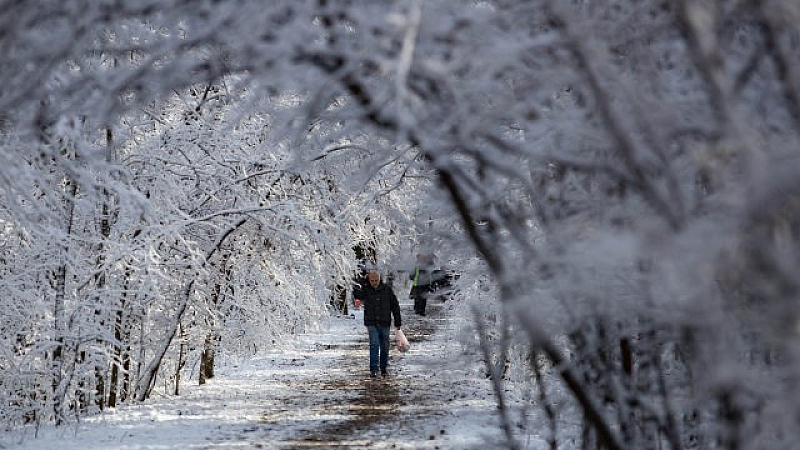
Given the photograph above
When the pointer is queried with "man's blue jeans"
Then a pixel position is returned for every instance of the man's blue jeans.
(378, 346)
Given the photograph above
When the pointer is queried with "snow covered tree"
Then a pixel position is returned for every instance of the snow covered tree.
(624, 168)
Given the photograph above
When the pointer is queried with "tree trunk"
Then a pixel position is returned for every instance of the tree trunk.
(59, 314)
(116, 355)
(114, 377)
(181, 358)
(122, 337)
(100, 283)
(212, 336)
(207, 358)
(140, 360)
(125, 388)
(57, 362)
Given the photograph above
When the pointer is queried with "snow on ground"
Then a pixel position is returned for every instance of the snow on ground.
(316, 393)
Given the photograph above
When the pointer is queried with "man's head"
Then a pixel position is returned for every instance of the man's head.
(374, 278)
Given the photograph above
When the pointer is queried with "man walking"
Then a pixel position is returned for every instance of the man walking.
(380, 305)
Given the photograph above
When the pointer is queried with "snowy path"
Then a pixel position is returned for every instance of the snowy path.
(316, 395)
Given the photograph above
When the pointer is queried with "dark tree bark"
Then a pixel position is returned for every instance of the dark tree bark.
(60, 282)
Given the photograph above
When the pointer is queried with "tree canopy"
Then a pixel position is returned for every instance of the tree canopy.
(180, 178)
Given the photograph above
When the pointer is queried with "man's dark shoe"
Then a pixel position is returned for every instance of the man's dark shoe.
(384, 373)
(373, 374)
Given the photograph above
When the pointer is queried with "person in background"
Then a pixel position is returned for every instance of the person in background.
(380, 306)
(424, 280)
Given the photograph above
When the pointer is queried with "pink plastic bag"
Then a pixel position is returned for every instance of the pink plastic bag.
(401, 341)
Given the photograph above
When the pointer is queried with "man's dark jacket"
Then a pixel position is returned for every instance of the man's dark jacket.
(380, 304)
